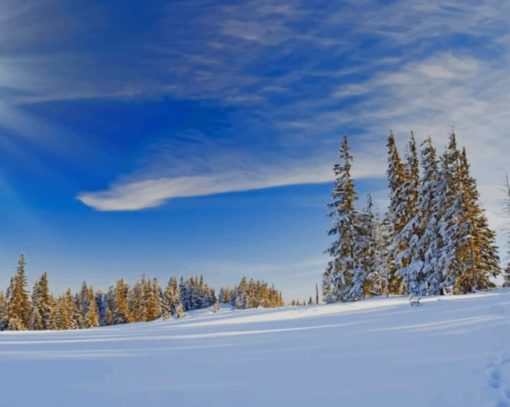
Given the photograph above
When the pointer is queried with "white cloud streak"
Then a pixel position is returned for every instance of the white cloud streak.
(150, 193)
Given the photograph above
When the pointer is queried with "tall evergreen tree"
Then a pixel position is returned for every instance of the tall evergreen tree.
(92, 315)
(18, 309)
(405, 244)
(173, 296)
(152, 309)
(364, 252)
(35, 316)
(480, 248)
(468, 254)
(506, 276)
(240, 297)
(54, 314)
(452, 225)
(379, 279)
(82, 304)
(338, 278)
(3, 311)
(398, 208)
(185, 294)
(158, 293)
(42, 304)
(45, 300)
(67, 316)
(225, 295)
(137, 301)
(428, 219)
(103, 301)
(120, 309)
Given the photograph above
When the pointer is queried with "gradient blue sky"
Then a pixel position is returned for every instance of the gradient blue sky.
(198, 136)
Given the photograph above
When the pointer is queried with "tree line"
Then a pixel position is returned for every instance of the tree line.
(251, 294)
(146, 300)
(434, 238)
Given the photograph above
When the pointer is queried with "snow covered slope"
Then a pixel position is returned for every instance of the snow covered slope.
(452, 351)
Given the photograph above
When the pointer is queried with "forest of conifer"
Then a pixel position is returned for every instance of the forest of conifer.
(434, 238)
(146, 300)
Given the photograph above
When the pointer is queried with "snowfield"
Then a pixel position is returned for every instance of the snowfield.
(451, 351)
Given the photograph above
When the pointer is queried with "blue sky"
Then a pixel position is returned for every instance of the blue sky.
(198, 137)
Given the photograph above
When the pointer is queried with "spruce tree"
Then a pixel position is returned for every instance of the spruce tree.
(137, 301)
(452, 226)
(185, 294)
(179, 311)
(157, 297)
(380, 277)
(327, 293)
(53, 323)
(92, 315)
(240, 299)
(398, 211)
(481, 248)
(35, 315)
(428, 219)
(364, 252)
(506, 276)
(120, 309)
(406, 241)
(36, 323)
(338, 278)
(44, 300)
(68, 316)
(3, 311)
(151, 307)
(224, 295)
(42, 304)
(166, 311)
(18, 309)
(82, 303)
(173, 295)
(101, 300)
(108, 305)
(76, 317)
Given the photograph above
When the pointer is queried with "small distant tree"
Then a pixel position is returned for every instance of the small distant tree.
(254, 294)
(45, 300)
(506, 273)
(92, 316)
(152, 309)
(18, 308)
(179, 311)
(173, 296)
(68, 314)
(506, 276)
(120, 309)
(35, 315)
(3, 311)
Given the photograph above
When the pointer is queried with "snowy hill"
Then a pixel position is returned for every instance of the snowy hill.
(451, 351)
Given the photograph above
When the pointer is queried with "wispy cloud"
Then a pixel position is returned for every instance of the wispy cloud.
(149, 193)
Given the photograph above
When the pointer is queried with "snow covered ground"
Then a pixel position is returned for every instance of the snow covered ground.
(452, 351)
